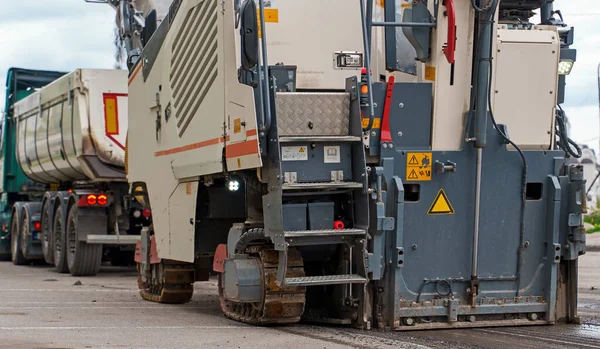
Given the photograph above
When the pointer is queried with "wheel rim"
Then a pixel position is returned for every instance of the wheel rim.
(25, 231)
(71, 241)
(58, 240)
(46, 233)
(14, 242)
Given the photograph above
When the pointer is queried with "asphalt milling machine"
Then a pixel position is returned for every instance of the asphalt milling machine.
(399, 164)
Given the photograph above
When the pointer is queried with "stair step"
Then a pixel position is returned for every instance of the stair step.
(326, 280)
(322, 185)
(324, 232)
(290, 139)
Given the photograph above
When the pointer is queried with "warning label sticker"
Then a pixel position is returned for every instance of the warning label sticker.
(376, 123)
(237, 125)
(441, 205)
(418, 167)
(294, 153)
(332, 154)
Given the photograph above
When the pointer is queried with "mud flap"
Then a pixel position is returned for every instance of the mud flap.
(90, 222)
(219, 260)
(139, 252)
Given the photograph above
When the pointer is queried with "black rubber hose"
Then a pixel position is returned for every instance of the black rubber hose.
(248, 237)
(564, 142)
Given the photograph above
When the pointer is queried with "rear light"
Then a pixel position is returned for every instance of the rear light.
(338, 225)
(137, 214)
(102, 199)
(146, 213)
(37, 225)
(92, 199)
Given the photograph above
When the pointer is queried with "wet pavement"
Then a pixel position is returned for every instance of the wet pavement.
(40, 309)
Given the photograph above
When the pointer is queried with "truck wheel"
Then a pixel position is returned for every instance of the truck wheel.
(59, 244)
(15, 241)
(46, 233)
(83, 259)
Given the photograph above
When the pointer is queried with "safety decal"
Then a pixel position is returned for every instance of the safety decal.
(237, 125)
(113, 104)
(376, 123)
(418, 167)
(441, 205)
(294, 153)
(430, 73)
(332, 154)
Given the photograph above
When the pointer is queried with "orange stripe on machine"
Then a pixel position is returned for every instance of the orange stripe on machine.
(232, 150)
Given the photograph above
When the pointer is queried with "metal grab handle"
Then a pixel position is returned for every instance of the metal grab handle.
(450, 47)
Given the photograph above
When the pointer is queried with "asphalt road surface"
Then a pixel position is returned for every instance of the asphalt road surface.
(40, 309)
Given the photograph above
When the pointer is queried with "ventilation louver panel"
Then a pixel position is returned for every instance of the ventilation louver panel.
(194, 62)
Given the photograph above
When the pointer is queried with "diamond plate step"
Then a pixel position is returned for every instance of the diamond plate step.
(322, 185)
(294, 139)
(324, 232)
(326, 280)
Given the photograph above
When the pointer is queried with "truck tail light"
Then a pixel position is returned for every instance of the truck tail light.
(102, 199)
(91, 200)
(146, 213)
(37, 225)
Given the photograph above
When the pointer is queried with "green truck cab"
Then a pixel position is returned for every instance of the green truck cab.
(14, 185)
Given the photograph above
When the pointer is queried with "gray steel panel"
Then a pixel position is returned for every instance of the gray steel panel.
(329, 114)
(439, 247)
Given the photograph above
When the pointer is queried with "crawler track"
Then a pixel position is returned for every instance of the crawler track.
(174, 283)
(280, 305)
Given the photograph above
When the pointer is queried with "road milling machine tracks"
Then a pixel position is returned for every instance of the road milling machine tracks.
(397, 164)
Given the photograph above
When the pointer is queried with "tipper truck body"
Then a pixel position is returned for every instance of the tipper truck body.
(70, 144)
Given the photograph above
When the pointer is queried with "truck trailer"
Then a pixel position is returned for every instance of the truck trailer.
(400, 164)
(65, 142)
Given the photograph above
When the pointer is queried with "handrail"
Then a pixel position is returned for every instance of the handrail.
(450, 47)
(265, 66)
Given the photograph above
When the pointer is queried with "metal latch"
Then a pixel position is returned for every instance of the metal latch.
(449, 166)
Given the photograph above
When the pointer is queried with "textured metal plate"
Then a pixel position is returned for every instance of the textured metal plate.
(327, 113)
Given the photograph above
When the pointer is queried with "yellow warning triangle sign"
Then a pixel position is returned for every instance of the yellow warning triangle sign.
(441, 204)
(413, 161)
(413, 175)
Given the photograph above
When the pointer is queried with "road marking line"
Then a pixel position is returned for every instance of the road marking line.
(540, 338)
(65, 290)
(110, 307)
(70, 328)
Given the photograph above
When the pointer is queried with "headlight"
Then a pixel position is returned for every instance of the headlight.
(233, 185)
(565, 67)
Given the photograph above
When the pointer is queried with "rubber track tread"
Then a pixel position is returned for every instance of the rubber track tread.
(280, 305)
(172, 293)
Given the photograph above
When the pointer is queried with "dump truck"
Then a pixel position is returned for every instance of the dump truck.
(399, 165)
(64, 144)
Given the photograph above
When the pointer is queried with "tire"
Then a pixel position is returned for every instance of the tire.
(46, 233)
(60, 243)
(15, 241)
(83, 259)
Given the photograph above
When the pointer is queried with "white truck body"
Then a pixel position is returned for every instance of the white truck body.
(75, 128)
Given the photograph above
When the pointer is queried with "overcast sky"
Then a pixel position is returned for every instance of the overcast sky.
(68, 34)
